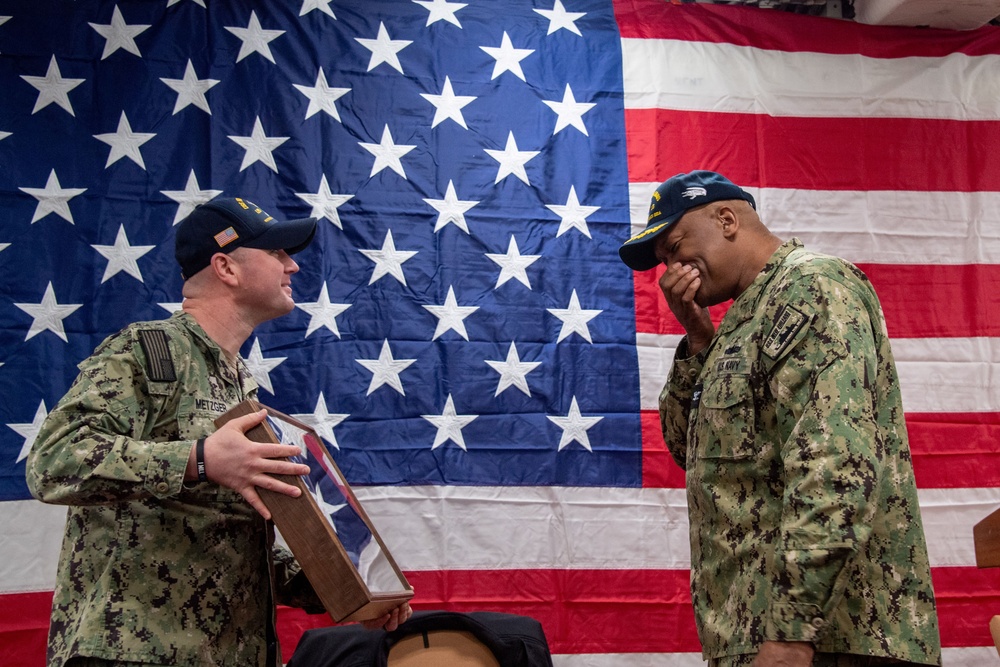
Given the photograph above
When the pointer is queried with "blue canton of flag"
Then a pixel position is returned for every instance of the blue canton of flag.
(462, 319)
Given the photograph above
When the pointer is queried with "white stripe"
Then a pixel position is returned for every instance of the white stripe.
(464, 527)
(442, 528)
(935, 374)
(32, 534)
(439, 528)
(706, 76)
(976, 656)
(948, 516)
(948, 374)
(874, 227)
(428, 528)
(973, 656)
(656, 356)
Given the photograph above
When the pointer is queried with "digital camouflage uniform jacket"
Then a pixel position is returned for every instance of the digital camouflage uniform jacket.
(802, 504)
(152, 569)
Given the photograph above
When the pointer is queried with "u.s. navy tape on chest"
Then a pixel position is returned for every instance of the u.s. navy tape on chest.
(732, 366)
(788, 323)
(159, 363)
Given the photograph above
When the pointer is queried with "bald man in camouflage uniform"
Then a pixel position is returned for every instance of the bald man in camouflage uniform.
(807, 547)
(168, 557)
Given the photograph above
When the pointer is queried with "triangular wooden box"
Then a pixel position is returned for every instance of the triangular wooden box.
(310, 535)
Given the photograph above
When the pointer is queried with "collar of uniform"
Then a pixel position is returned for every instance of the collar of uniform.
(188, 322)
(746, 304)
(248, 384)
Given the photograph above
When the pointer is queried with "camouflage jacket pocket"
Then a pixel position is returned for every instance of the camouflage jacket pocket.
(725, 424)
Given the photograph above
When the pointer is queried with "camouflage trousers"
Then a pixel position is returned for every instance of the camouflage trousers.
(819, 660)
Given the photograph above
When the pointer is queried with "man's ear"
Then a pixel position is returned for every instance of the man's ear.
(225, 268)
(729, 220)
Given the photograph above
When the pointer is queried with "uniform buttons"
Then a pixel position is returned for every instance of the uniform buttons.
(162, 487)
(693, 373)
(818, 623)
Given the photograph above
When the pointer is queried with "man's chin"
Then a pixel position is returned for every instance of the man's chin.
(287, 306)
(705, 300)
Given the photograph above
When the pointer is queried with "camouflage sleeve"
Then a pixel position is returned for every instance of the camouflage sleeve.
(90, 450)
(675, 401)
(292, 588)
(830, 454)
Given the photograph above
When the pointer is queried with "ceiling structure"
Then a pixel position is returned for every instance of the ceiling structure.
(950, 14)
(832, 8)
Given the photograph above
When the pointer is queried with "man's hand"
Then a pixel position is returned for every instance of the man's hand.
(784, 654)
(679, 285)
(236, 462)
(390, 621)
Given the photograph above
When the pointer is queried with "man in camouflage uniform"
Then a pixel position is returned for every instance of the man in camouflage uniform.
(806, 541)
(168, 557)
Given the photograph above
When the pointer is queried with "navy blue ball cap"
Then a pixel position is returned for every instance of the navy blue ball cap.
(675, 197)
(222, 225)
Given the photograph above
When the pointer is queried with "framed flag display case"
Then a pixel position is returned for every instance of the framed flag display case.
(327, 530)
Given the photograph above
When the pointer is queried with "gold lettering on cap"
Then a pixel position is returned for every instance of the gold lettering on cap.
(242, 205)
(647, 232)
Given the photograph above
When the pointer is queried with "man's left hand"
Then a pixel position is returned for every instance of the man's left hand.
(390, 621)
(785, 654)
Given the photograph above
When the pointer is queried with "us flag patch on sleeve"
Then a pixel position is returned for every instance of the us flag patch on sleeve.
(788, 323)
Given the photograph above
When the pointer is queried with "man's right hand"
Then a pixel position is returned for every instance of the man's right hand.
(234, 461)
(679, 285)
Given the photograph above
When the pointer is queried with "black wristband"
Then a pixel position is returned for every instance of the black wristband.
(199, 459)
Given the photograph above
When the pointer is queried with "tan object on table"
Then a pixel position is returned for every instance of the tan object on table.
(441, 648)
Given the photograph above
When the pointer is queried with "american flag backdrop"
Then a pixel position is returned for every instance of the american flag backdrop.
(481, 365)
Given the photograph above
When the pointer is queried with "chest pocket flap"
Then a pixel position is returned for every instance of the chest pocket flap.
(726, 423)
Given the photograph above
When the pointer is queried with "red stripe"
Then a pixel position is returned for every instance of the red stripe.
(24, 627)
(944, 301)
(581, 611)
(768, 29)
(919, 301)
(659, 471)
(954, 450)
(621, 611)
(950, 450)
(967, 598)
(811, 153)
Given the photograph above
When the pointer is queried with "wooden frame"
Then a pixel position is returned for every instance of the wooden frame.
(354, 585)
(986, 540)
